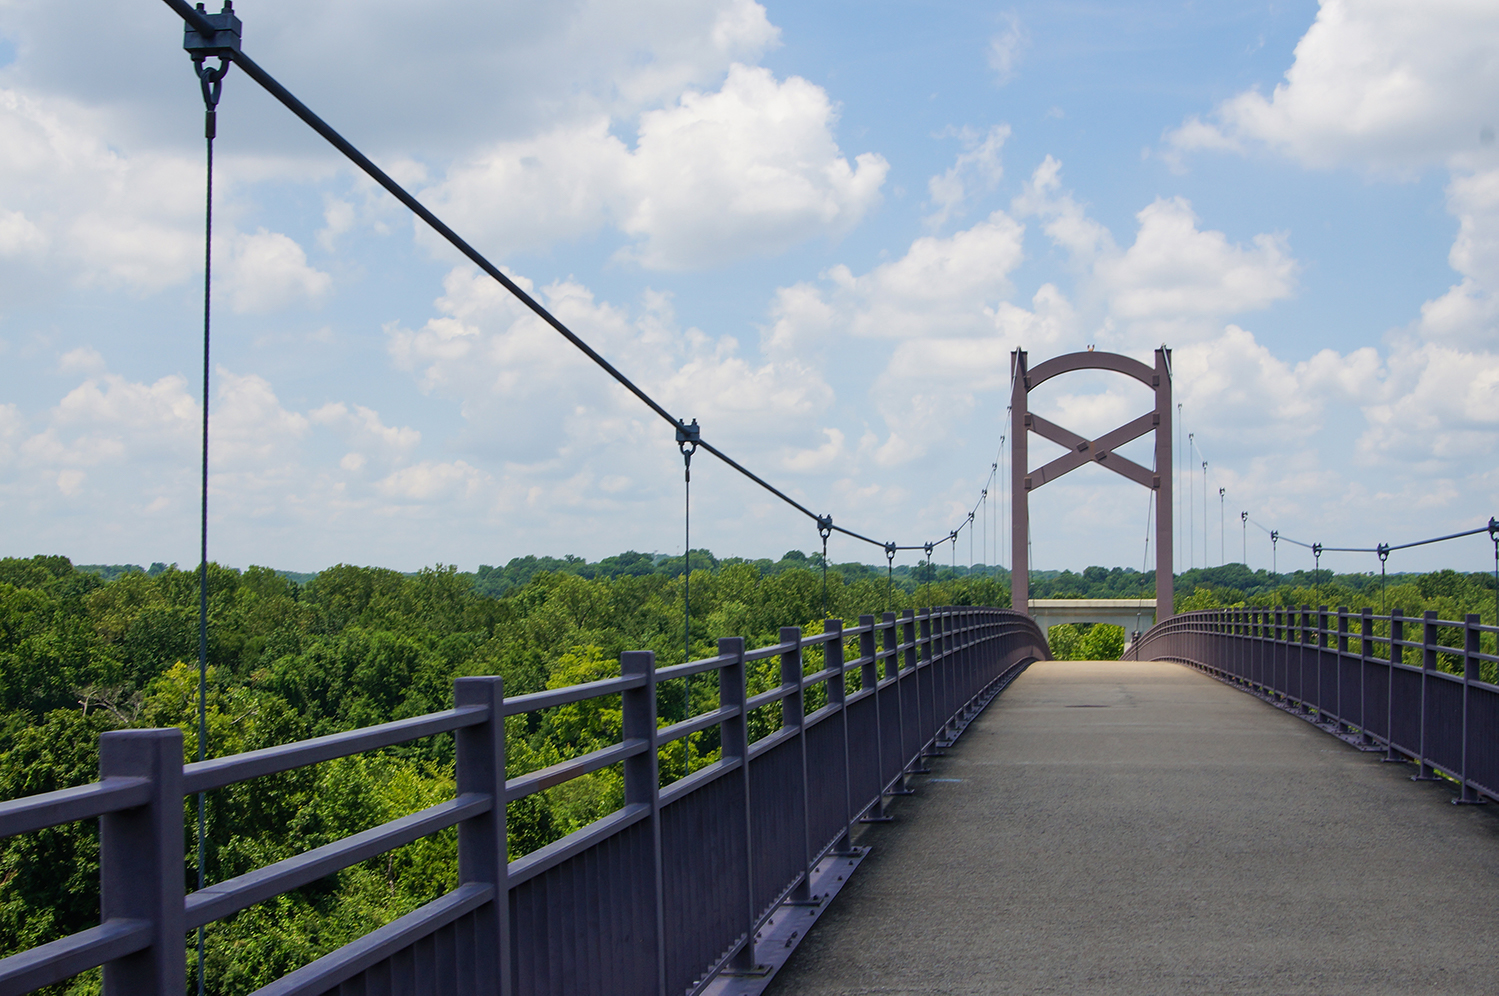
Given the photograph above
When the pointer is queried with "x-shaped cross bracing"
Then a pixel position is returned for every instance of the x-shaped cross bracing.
(1099, 451)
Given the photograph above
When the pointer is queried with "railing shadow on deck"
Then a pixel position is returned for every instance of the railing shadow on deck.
(1433, 699)
(666, 895)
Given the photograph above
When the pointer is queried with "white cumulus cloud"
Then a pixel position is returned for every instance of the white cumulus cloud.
(747, 170)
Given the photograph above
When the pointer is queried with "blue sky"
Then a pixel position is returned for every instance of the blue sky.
(818, 228)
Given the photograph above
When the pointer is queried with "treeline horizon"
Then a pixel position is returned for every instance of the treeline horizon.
(1229, 583)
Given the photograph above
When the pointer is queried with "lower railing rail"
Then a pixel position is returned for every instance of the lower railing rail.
(666, 895)
(1418, 689)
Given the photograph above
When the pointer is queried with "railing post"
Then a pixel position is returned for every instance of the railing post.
(1252, 649)
(1246, 645)
(1235, 645)
(1321, 645)
(1343, 724)
(1303, 626)
(918, 763)
(1256, 672)
(734, 744)
(899, 633)
(1429, 638)
(482, 849)
(832, 657)
(1397, 634)
(1276, 650)
(906, 670)
(869, 679)
(1469, 795)
(794, 717)
(942, 651)
(140, 861)
(643, 783)
(1262, 652)
(1365, 655)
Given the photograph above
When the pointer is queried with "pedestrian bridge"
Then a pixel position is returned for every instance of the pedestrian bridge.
(1133, 826)
(872, 822)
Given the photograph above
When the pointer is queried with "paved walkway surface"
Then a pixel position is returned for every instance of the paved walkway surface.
(1121, 827)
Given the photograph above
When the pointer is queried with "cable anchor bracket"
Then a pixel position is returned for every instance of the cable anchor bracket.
(221, 44)
(688, 438)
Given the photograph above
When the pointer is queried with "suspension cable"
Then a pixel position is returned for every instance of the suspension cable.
(687, 442)
(210, 82)
(890, 549)
(824, 529)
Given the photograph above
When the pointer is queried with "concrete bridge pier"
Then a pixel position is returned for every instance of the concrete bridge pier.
(1136, 615)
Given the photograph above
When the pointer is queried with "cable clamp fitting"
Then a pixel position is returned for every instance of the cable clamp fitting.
(928, 548)
(890, 551)
(824, 526)
(222, 43)
(1383, 550)
(1494, 529)
(687, 441)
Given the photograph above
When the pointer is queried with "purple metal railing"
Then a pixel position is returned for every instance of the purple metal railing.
(668, 894)
(1392, 693)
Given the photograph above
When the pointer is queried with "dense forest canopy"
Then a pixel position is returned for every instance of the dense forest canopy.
(88, 649)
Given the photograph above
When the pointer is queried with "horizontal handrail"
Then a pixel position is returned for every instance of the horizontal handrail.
(201, 776)
(774, 650)
(338, 966)
(553, 697)
(691, 667)
(48, 964)
(235, 894)
(37, 812)
(689, 784)
(565, 771)
(772, 695)
(694, 724)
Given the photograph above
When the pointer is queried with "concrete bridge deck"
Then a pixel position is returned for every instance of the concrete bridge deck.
(1121, 827)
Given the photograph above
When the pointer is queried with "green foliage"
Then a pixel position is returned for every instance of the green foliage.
(1086, 641)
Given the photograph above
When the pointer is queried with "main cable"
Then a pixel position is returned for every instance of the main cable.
(199, 21)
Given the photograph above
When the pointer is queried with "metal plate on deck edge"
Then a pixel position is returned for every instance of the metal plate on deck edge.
(788, 927)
